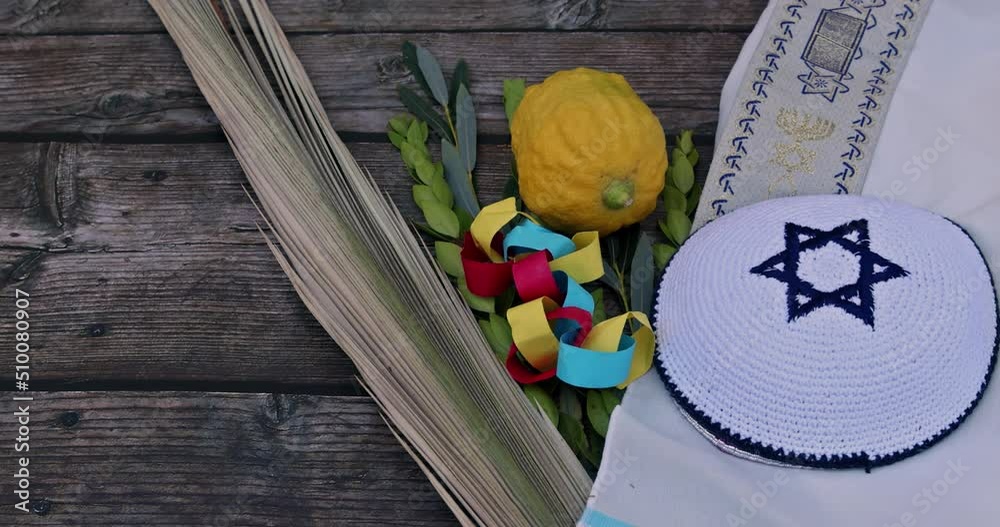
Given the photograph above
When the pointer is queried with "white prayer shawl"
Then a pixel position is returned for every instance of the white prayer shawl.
(937, 151)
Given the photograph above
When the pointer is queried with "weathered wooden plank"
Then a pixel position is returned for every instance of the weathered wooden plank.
(121, 197)
(219, 459)
(127, 197)
(370, 16)
(99, 85)
(29, 193)
(158, 275)
(210, 317)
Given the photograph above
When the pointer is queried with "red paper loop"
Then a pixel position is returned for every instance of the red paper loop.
(522, 373)
(533, 278)
(580, 316)
(483, 277)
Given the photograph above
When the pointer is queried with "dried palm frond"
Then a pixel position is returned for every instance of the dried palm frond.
(368, 279)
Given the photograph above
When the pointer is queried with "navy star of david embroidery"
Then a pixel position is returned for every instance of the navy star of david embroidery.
(856, 298)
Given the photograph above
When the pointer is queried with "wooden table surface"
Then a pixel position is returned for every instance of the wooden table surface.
(177, 378)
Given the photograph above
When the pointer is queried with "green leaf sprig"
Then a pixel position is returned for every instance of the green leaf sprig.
(456, 127)
(680, 198)
(432, 193)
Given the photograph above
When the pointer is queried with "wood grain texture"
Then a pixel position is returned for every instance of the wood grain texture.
(136, 197)
(157, 275)
(207, 317)
(369, 16)
(217, 459)
(110, 86)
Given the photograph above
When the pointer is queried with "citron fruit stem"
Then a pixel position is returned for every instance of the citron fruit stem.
(619, 194)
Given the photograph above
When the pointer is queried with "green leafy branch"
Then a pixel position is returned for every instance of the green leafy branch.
(680, 198)
(432, 194)
(457, 127)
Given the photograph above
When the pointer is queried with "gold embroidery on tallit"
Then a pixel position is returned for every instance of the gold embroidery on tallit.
(794, 157)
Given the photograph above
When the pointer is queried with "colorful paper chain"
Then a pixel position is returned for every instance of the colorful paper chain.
(553, 326)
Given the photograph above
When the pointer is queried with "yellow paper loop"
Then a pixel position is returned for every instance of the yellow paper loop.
(607, 335)
(488, 223)
(532, 334)
(584, 264)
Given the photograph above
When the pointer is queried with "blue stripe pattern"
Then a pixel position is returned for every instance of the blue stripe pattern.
(595, 518)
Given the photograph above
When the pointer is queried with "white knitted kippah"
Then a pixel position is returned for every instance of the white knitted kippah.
(827, 331)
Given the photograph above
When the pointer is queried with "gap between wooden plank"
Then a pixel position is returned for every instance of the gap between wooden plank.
(221, 459)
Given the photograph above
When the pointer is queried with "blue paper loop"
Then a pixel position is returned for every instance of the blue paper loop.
(529, 237)
(593, 369)
(574, 295)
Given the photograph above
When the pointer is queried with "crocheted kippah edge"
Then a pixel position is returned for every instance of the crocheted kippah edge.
(836, 461)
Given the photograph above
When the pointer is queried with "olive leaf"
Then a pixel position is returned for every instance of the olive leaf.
(618, 247)
(641, 276)
(413, 64)
(662, 253)
(682, 173)
(465, 116)
(438, 216)
(460, 77)
(464, 219)
(597, 413)
(458, 178)
(543, 401)
(449, 257)
(678, 226)
(513, 92)
(423, 110)
(610, 277)
(433, 76)
(476, 302)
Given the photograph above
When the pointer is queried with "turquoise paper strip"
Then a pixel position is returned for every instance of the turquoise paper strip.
(576, 295)
(594, 369)
(530, 237)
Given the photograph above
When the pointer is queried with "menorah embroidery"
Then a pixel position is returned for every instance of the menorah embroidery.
(794, 157)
